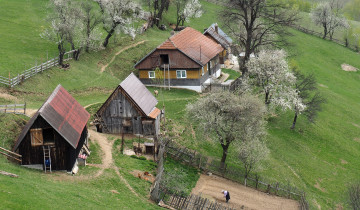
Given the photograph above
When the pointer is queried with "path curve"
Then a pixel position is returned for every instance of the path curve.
(103, 68)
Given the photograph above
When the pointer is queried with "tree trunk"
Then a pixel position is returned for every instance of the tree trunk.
(61, 54)
(88, 31)
(325, 30)
(267, 100)
(223, 158)
(294, 121)
(106, 41)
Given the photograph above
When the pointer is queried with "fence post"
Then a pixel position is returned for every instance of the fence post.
(9, 80)
(276, 188)
(268, 188)
(24, 107)
(5, 107)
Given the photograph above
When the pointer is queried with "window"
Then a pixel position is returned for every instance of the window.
(48, 136)
(36, 136)
(151, 74)
(202, 71)
(180, 73)
(164, 59)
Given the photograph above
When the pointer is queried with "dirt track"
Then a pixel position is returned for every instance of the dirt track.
(241, 197)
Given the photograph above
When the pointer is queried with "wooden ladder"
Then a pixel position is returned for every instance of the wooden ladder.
(102, 123)
(47, 158)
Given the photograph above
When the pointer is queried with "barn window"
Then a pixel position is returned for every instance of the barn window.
(151, 74)
(36, 136)
(116, 108)
(48, 136)
(164, 58)
(180, 73)
(202, 71)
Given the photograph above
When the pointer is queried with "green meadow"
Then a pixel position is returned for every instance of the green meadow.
(319, 158)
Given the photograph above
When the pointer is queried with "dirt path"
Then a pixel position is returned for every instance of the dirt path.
(103, 68)
(106, 147)
(241, 197)
(8, 97)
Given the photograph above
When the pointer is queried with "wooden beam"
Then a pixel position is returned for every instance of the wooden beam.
(8, 174)
(10, 156)
(13, 153)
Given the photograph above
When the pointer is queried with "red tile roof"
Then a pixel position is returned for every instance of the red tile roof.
(167, 45)
(194, 44)
(64, 114)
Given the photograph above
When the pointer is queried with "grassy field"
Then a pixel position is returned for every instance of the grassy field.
(320, 158)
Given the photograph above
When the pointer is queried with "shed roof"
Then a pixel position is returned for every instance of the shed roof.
(139, 93)
(64, 114)
(220, 36)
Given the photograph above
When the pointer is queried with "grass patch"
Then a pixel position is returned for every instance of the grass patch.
(232, 74)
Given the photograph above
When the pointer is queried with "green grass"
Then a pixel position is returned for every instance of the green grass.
(232, 74)
(320, 158)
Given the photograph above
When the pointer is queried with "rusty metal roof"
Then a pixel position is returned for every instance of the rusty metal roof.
(139, 93)
(64, 114)
(167, 45)
(154, 113)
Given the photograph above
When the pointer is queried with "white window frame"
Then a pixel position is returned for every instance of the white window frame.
(181, 75)
(149, 74)
(202, 71)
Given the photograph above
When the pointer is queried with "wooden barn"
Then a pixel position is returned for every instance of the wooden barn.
(215, 33)
(54, 136)
(187, 59)
(130, 109)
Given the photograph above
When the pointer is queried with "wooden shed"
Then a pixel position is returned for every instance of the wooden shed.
(129, 109)
(54, 136)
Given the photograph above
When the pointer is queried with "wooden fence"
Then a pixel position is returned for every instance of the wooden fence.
(13, 108)
(207, 164)
(13, 81)
(179, 201)
(10, 154)
(315, 33)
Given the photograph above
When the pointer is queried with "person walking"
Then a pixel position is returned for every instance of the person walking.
(226, 195)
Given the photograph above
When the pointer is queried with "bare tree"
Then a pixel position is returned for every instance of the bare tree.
(306, 86)
(251, 153)
(118, 15)
(256, 23)
(329, 16)
(354, 196)
(186, 9)
(157, 8)
(270, 74)
(226, 118)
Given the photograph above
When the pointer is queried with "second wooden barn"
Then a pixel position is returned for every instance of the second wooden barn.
(129, 109)
(55, 135)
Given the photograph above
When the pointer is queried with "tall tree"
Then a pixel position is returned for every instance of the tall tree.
(186, 9)
(63, 16)
(157, 8)
(227, 118)
(270, 74)
(329, 16)
(306, 86)
(256, 23)
(118, 16)
(91, 18)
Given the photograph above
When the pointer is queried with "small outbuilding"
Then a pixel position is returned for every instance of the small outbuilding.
(54, 136)
(130, 109)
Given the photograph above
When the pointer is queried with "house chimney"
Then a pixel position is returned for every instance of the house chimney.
(216, 28)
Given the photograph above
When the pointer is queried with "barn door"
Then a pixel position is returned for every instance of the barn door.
(116, 108)
(36, 136)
